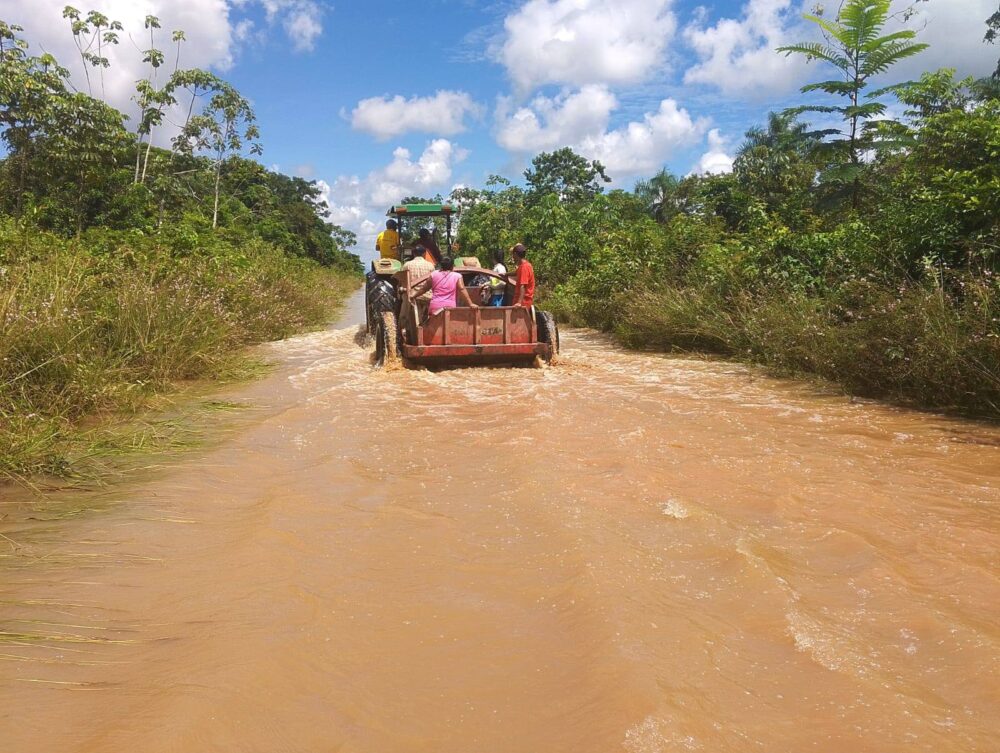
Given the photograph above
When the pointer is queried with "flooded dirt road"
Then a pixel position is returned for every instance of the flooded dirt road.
(625, 552)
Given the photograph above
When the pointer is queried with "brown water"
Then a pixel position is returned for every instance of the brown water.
(624, 552)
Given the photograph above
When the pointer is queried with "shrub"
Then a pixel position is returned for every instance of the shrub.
(99, 325)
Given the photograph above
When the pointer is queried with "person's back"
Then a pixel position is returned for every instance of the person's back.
(418, 268)
(444, 290)
(524, 278)
(387, 242)
(433, 253)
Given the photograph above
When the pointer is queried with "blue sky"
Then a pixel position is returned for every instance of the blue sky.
(380, 98)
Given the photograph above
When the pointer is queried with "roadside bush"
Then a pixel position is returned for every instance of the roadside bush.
(98, 326)
(912, 344)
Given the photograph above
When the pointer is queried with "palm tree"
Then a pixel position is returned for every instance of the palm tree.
(658, 194)
(776, 161)
(784, 133)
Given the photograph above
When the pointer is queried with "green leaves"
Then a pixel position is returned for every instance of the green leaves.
(856, 48)
(992, 32)
(817, 51)
(566, 174)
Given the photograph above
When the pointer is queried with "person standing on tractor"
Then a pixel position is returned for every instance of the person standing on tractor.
(387, 243)
(524, 278)
(445, 285)
(433, 253)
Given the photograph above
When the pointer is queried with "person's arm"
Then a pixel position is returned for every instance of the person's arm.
(465, 295)
(420, 287)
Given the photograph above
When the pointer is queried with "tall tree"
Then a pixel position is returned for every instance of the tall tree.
(96, 31)
(855, 47)
(152, 100)
(29, 87)
(658, 194)
(992, 34)
(223, 128)
(776, 163)
(566, 174)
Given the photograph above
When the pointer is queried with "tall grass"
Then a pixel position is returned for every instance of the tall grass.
(94, 327)
(913, 344)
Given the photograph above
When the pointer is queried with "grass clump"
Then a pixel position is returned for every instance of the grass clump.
(912, 344)
(95, 327)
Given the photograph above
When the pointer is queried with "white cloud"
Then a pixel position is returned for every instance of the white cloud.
(716, 160)
(585, 41)
(357, 202)
(954, 30)
(643, 146)
(443, 114)
(738, 56)
(551, 122)
(303, 26)
(301, 19)
(580, 120)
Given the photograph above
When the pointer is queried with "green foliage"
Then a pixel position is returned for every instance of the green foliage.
(566, 174)
(856, 49)
(100, 324)
(778, 165)
(902, 300)
(68, 159)
(948, 192)
(659, 195)
(992, 33)
(178, 257)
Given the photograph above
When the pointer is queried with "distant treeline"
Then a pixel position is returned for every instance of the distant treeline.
(76, 163)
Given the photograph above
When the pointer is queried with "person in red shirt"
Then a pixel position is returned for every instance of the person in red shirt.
(524, 278)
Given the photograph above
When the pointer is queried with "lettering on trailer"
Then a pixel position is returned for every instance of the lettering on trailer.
(487, 331)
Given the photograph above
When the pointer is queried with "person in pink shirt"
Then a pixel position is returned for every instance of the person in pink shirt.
(445, 285)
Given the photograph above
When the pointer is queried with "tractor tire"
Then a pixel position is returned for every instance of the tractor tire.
(388, 348)
(548, 332)
(380, 296)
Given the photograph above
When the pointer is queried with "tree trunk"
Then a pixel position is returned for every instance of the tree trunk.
(215, 211)
(145, 163)
(21, 180)
(138, 154)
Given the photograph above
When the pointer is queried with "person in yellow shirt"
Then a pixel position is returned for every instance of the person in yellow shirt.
(387, 243)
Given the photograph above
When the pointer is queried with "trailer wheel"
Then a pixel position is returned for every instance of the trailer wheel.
(387, 336)
(548, 332)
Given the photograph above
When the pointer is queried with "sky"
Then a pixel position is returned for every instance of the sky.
(380, 99)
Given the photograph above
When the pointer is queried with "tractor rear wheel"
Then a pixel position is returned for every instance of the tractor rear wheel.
(380, 296)
(387, 339)
(548, 332)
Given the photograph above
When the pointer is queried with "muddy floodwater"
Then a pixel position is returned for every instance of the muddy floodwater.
(623, 552)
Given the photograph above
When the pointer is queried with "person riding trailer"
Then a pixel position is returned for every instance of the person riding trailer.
(524, 278)
(446, 287)
(418, 269)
